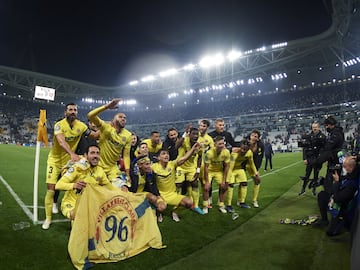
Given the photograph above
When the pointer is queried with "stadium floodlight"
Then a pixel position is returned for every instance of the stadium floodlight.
(279, 45)
(261, 49)
(133, 82)
(148, 78)
(87, 100)
(208, 61)
(173, 95)
(233, 55)
(189, 67)
(168, 72)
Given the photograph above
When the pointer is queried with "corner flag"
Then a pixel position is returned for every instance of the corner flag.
(42, 128)
(41, 137)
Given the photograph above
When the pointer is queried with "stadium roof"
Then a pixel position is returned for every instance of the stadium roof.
(326, 52)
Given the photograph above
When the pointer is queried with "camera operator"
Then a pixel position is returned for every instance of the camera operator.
(312, 143)
(339, 204)
(333, 144)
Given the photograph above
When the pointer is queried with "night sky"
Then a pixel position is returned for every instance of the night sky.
(110, 43)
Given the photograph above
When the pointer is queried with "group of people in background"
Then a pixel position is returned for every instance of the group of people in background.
(338, 201)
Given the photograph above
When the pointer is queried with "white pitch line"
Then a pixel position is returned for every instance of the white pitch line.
(17, 199)
(23, 206)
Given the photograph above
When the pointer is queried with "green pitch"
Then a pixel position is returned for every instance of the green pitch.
(256, 240)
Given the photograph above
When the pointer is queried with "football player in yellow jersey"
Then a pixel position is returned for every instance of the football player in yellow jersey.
(154, 144)
(217, 163)
(165, 178)
(206, 142)
(67, 134)
(144, 180)
(77, 176)
(243, 157)
(189, 171)
(114, 141)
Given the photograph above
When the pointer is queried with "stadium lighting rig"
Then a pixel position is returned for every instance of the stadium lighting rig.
(208, 62)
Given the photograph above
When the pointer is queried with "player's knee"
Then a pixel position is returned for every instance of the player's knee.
(243, 184)
(187, 202)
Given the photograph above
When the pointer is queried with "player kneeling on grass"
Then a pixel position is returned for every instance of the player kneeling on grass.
(84, 172)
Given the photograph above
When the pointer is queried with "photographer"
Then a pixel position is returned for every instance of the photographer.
(312, 144)
(333, 144)
(341, 204)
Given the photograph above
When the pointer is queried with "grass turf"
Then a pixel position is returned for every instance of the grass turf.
(255, 240)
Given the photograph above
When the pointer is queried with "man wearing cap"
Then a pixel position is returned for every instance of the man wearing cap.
(333, 144)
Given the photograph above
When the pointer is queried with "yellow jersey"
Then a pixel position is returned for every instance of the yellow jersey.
(152, 149)
(165, 177)
(216, 161)
(191, 163)
(113, 144)
(239, 161)
(72, 135)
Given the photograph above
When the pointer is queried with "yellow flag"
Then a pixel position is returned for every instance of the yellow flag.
(42, 131)
(110, 226)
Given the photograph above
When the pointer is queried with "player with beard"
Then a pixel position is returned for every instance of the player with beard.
(172, 143)
(114, 141)
(78, 175)
(67, 134)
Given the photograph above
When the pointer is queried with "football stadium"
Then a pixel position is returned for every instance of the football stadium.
(279, 90)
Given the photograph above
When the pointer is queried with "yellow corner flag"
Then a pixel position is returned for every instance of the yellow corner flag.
(42, 129)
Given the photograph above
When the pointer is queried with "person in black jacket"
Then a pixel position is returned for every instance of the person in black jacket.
(333, 144)
(312, 144)
(341, 203)
(220, 131)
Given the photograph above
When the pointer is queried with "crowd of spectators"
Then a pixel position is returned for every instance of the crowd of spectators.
(283, 114)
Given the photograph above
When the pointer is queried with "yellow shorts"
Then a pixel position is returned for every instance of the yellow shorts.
(238, 176)
(184, 175)
(53, 173)
(216, 176)
(172, 198)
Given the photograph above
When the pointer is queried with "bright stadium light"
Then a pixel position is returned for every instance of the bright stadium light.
(148, 78)
(208, 61)
(168, 72)
(261, 49)
(233, 55)
(189, 67)
(133, 83)
(279, 45)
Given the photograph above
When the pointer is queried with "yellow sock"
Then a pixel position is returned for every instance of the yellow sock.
(189, 190)
(195, 195)
(221, 204)
(229, 195)
(242, 194)
(256, 192)
(49, 199)
(205, 203)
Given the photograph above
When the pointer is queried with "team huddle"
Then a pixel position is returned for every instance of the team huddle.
(171, 173)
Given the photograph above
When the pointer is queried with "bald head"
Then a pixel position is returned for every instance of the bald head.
(349, 164)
